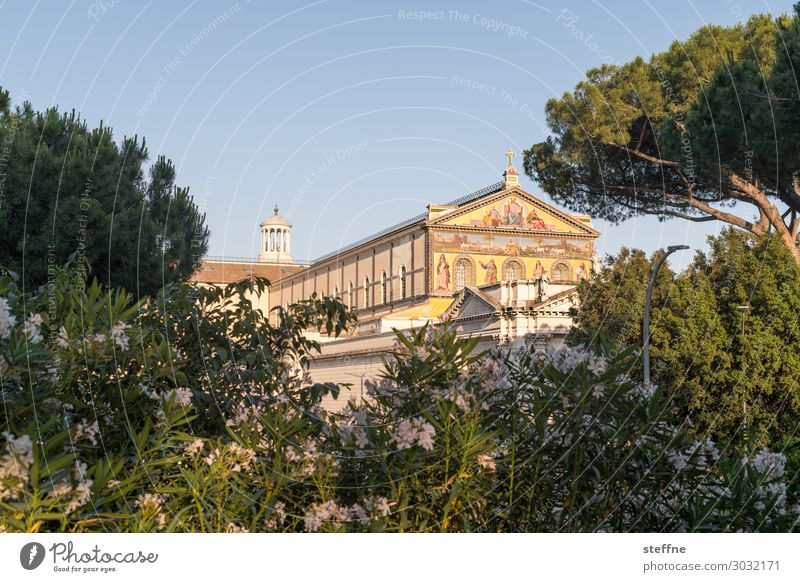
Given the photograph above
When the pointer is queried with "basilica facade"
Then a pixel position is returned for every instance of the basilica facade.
(498, 264)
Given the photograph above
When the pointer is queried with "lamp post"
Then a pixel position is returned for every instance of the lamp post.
(647, 301)
(743, 309)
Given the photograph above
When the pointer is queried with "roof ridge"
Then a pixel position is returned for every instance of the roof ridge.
(491, 189)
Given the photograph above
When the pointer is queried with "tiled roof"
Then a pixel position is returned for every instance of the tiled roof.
(413, 220)
(230, 270)
(222, 271)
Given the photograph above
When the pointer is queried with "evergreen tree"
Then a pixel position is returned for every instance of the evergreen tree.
(704, 131)
(70, 193)
(725, 332)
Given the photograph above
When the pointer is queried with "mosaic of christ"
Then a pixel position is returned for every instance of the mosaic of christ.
(513, 213)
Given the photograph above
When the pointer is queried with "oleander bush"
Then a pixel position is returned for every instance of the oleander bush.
(192, 412)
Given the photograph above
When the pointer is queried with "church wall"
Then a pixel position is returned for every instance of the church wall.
(383, 262)
(348, 271)
(320, 283)
(489, 254)
(365, 269)
(370, 261)
(401, 255)
(296, 291)
(420, 279)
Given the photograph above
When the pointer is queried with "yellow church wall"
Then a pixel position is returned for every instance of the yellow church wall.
(481, 265)
(535, 253)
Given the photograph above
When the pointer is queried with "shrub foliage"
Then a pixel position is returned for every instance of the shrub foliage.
(192, 412)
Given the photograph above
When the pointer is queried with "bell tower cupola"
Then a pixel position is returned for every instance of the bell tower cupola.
(276, 240)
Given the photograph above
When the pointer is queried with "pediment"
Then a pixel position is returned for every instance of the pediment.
(560, 302)
(514, 210)
(471, 302)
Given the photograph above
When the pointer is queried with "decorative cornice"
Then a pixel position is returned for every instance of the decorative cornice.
(508, 231)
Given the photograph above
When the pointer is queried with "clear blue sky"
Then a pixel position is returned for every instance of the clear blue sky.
(351, 116)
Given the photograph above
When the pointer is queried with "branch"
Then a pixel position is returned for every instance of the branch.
(690, 217)
(758, 228)
(643, 155)
(768, 211)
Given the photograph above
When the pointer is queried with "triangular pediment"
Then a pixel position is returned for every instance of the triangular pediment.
(471, 302)
(560, 302)
(514, 210)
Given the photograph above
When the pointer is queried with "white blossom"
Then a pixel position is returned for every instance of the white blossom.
(62, 339)
(150, 503)
(377, 505)
(416, 431)
(318, 514)
(181, 396)
(486, 461)
(15, 463)
(770, 464)
(87, 431)
(677, 459)
(7, 320)
(278, 515)
(236, 458)
(118, 335)
(33, 329)
(596, 365)
(81, 495)
(194, 448)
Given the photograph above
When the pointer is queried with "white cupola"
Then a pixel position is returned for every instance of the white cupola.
(276, 240)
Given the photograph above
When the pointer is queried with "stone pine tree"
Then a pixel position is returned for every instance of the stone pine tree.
(707, 130)
(71, 194)
(726, 332)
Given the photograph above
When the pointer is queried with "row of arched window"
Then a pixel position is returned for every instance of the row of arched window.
(384, 291)
(513, 270)
(464, 275)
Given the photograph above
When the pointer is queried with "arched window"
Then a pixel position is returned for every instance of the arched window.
(513, 271)
(403, 282)
(350, 296)
(384, 289)
(559, 272)
(463, 274)
(366, 291)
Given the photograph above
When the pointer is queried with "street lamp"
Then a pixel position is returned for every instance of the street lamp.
(743, 310)
(647, 300)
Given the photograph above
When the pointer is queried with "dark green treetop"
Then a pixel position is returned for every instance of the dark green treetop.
(70, 193)
(706, 130)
